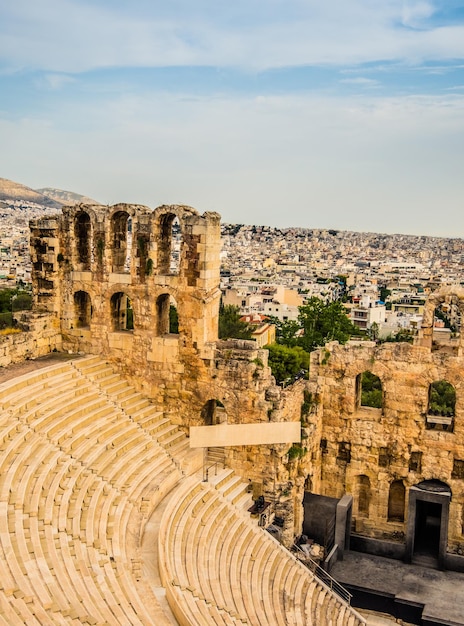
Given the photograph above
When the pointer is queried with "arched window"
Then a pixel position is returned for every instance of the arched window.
(213, 412)
(396, 497)
(369, 390)
(169, 244)
(82, 309)
(82, 233)
(446, 320)
(122, 241)
(442, 403)
(364, 495)
(144, 266)
(121, 312)
(166, 313)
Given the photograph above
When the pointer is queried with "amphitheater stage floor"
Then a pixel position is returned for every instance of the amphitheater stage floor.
(415, 594)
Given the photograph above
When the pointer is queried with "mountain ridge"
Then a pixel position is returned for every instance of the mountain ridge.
(65, 197)
(49, 197)
(11, 190)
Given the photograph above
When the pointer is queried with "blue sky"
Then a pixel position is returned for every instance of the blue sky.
(341, 114)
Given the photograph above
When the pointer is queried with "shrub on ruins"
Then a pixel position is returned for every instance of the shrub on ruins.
(230, 325)
(286, 363)
(403, 335)
(371, 390)
(442, 400)
(12, 300)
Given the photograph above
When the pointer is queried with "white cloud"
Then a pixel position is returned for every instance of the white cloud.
(56, 81)
(389, 165)
(73, 36)
(415, 13)
(361, 81)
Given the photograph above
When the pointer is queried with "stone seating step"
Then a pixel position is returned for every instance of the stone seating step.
(62, 520)
(215, 554)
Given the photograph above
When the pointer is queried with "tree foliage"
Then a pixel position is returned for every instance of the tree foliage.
(286, 362)
(230, 326)
(173, 320)
(371, 390)
(384, 293)
(12, 300)
(323, 322)
(286, 331)
(320, 322)
(442, 399)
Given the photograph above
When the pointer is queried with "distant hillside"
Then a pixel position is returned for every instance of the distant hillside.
(9, 190)
(65, 197)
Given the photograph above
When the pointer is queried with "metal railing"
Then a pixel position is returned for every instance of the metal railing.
(206, 471)
(325, 577)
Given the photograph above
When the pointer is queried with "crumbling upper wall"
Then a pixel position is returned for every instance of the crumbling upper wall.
(446, 294)
(39, 336)
(97, 252)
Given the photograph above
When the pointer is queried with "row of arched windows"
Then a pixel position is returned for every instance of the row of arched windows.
(441, 399)
(122, 244)
(122, 314)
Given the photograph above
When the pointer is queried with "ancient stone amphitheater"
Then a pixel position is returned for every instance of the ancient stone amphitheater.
(105, 518)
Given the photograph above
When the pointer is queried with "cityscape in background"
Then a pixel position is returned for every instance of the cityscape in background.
(268, 272)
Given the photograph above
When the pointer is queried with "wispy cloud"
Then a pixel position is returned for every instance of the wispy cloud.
(56, 81)
(389, 164)
(245, 107)
(361, 81)
(71, 36)
(416, 14)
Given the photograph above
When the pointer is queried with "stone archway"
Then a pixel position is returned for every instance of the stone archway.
(83, 232)
(213, 413)
(82, 309)
(445, 294)
(427, 528)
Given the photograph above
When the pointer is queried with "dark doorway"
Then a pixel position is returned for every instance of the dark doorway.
(427, 524)
(427, 531)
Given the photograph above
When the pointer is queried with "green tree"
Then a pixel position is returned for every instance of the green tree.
(373, 331)
(324, 322)
(285, 362)
(173, 320)
(371, 390)
(384, 293)
(12, 300)
(230, 326)
(442, 398)
(403, 334)
(286, 331)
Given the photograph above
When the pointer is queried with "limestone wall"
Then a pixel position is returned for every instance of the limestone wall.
(40, 336)
(363, 450)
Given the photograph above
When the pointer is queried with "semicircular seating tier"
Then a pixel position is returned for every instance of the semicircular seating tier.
(218, 568)
(85, 462)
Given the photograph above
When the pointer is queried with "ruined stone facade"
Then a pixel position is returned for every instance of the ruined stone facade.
(109, 280)
(393, 459)
(111, 277)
